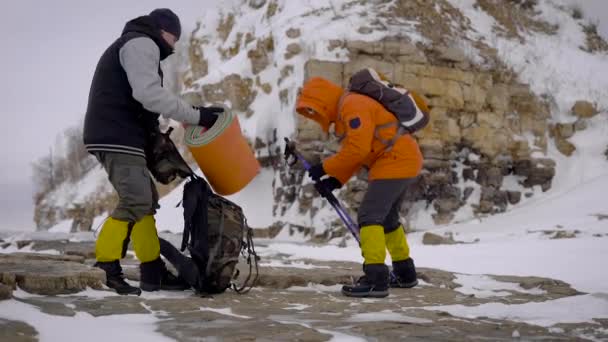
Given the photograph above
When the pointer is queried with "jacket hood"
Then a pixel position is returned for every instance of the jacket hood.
(146, 25)
(323, 97)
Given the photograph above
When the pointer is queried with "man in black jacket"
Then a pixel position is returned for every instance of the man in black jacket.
(125, 101)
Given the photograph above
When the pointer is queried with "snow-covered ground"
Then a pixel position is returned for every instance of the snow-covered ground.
(136, 327)
(513, 243)
(518, 242)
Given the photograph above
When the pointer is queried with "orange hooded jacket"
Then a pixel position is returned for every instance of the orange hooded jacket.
(365, 127)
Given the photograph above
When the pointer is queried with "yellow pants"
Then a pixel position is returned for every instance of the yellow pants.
(113, 240)
(374, 244)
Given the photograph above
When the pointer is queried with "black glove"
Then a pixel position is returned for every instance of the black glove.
(316, 172)
(327, 185)
(209, 115)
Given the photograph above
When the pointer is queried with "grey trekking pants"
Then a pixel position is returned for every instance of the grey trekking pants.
(128, 174)
(382, 203)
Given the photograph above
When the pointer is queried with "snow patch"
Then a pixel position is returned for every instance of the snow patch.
(83, 326)
(387, 316)
(576, 309)
(295, 264)
(486, 287)
(318, 288)
(224, 311)
(297, 306)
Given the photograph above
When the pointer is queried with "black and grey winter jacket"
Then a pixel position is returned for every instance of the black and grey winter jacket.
(127, 96)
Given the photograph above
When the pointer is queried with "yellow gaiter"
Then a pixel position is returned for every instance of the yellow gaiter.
(145, 239)
(109, 244)
(372, 244)
(396, 242)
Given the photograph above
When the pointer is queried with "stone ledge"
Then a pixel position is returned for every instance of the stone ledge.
(6, 292)
(48, 274)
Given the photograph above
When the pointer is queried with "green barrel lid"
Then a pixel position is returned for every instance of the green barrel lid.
(198, 136)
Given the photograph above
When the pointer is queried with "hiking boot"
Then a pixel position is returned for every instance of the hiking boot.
(115, 279)
(404, 274)
(155, 276)
(373, 284)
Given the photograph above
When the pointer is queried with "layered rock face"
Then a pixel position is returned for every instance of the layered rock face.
(477, 134)
(484, 126)
(485, 147)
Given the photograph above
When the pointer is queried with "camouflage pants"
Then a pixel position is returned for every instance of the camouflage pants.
(128, 174)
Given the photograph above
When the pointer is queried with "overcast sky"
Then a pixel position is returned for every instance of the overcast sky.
(49, 53)
(50, 50)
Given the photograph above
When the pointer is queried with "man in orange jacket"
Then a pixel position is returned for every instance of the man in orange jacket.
(369, 138)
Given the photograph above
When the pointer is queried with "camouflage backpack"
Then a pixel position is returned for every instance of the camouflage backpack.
(163, 159)
(216, 235)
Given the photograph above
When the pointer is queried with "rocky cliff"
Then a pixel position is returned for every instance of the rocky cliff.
(488, 143)
(500, 116)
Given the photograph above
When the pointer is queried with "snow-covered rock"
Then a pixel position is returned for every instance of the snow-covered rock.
(502, 91)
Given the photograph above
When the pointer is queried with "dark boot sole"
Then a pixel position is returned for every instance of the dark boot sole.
(372, 294)
(126, 291)
(404, 285)
(136, 292)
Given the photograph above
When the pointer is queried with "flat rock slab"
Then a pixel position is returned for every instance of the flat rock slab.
(6, 291)
(312, 313)
(296, 299)
(85, 249)
(43, 256)
(16, 331)
(48, 274)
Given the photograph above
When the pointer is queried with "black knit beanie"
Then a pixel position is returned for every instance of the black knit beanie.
(167, 20)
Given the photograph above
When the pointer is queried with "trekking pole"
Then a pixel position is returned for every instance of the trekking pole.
(290, 151)
(348, 221)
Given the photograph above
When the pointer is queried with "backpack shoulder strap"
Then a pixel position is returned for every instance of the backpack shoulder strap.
(389, 143)
(341, 104)
(194, 202)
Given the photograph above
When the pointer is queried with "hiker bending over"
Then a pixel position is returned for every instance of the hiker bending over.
(369, 138)
(121, 125)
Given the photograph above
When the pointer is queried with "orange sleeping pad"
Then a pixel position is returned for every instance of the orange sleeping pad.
(223, 154)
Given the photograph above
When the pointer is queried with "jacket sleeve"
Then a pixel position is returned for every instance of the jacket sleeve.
(356, 145)
(140, 58)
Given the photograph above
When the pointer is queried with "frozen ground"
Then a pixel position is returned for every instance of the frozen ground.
(299, 298)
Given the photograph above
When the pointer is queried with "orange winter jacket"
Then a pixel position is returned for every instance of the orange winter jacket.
(365, 128)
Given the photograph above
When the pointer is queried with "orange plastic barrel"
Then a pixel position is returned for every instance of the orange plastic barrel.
(223, 154)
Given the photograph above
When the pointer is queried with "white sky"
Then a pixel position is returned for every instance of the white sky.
(49, 55)
(50, 50)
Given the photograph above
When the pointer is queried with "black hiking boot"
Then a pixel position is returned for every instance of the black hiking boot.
(404, 274)
(115, 279)
(155, 276)
(373, 284)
